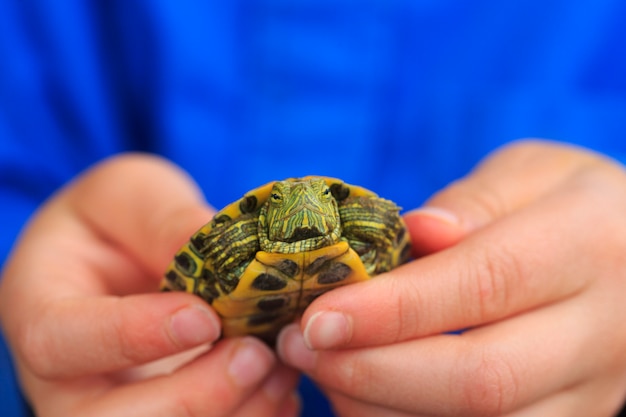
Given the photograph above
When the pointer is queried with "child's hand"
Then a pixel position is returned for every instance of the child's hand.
(85, 342)
(529, 254)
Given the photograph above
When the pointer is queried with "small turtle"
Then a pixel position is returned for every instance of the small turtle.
(264, 258)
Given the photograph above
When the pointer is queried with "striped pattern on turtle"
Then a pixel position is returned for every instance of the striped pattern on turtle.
(264, 258)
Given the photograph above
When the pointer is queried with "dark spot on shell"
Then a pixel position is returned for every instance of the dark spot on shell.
(316, 265)
(177, 282)
(208, 276)
(248, 204)
(340, 191)
(185, 263)
(405, 254)
(288, 267)
(336, 273)
(220, 220)
(268, 282)
(263, 318)
(272, 304)
(197, 243)
(171, 276)
(400, 235)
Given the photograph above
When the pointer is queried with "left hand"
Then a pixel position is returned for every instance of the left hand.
(529, 254)
(89, 334)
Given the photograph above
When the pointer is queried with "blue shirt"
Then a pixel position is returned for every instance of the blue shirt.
(401, 97)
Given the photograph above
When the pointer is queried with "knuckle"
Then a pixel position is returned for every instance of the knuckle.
(214, 399)
(489, 383)
(480, 199)
(120, 337)
(199, 406)
(408, 302)
(184, 409)
(31, 351)
(126, 348)
(351, 373)
(127, 334)
(490, 281)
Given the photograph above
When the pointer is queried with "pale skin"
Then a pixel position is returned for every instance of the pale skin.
(80, 309)
(527, 253)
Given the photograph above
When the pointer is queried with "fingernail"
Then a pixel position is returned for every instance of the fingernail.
(437, 213)
(194, 325)
(327, 330)
(293, 350)
(250, 363)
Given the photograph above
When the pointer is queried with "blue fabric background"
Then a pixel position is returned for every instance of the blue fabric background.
(399, 96)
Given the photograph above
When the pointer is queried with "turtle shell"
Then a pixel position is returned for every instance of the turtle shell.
(265, 257)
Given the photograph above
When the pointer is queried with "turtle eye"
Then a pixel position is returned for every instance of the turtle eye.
(326, 193)
(276, 197)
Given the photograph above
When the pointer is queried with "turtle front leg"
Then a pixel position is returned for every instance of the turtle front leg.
(375, 230)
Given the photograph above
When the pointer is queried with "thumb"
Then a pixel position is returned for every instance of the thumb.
(66, 300)
(507, 180)
(457, 288)
(141, 204)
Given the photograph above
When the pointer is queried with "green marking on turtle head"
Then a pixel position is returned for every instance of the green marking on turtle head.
(299, 215)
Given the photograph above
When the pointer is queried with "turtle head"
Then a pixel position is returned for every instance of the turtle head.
(301, 215)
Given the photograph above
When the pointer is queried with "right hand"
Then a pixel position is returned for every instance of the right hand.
(89, 334)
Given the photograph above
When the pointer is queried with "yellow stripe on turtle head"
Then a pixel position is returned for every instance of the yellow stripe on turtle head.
(301, 215)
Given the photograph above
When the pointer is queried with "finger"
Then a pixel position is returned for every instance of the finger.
(565, 403)
(602, 398)
(215, 384)
(509, 179)
(346, 406)
(120, 331)
(487, 371)
(279, 391)
(432, 229)
(113, 231)
(497, 272)
(142, 203)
